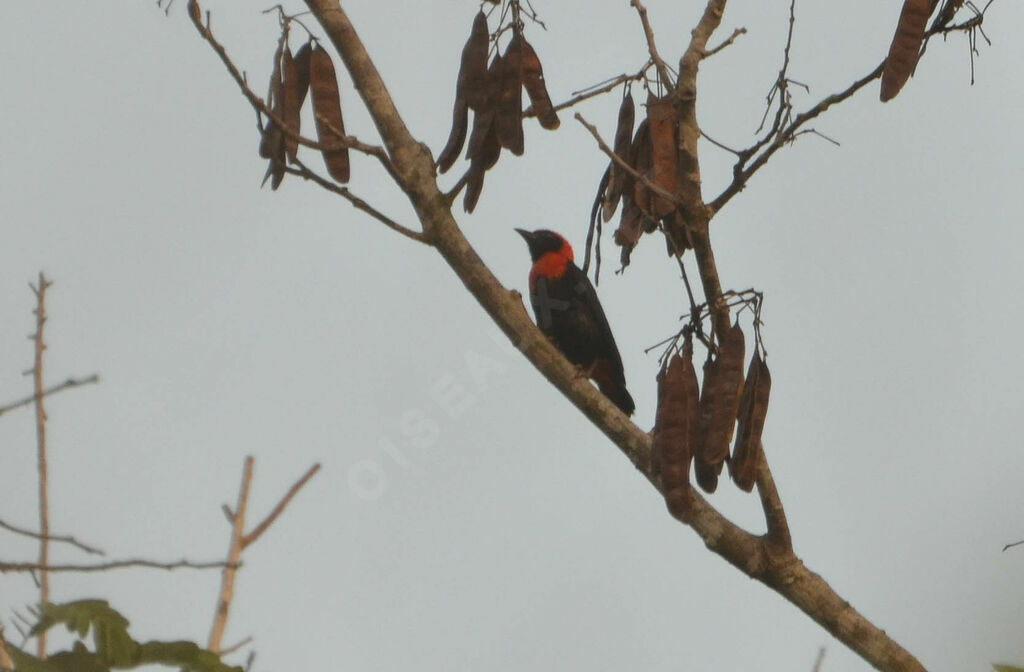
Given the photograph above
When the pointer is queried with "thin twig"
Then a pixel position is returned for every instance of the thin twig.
(743, 171)
(235, 647)
(590, 93)
(227, 578)
(303, 171)
(272, 516)
(819, 660)
(53, 537)
(44, 503)
(732, 38)
(106, 566)
(1016, 543)
(659, 62)
(66, 385)
(771, 504)
(621, 163)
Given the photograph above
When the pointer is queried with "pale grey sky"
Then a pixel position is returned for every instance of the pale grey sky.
(227, 320)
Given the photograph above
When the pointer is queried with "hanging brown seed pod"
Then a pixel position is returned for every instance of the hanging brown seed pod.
(509, 109)
(676, 240)
(631, 227)
(272, 142)
(664, 129)
(746, 452)
(619, 179)
(719, 403)
(471, 90)
(295, 85)
(481, 162)
(533, 80)
(473, 75)
(905, 48)
(330, 128)
(457, 137)
(675, 430)
(484, 116)
(642, 162)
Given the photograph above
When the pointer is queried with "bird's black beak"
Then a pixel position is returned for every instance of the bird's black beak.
(527, 235)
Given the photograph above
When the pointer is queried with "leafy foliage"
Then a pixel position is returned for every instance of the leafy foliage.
(113, 646)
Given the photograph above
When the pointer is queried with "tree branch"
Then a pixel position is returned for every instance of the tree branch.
(782, 571)
(227, 577)
(53, 537)
(272, 516)
(659, 62)
(66, 385)
(106, 566)
(44, 502)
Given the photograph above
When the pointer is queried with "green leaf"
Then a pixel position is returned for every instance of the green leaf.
(114, 647)
(1006, 668)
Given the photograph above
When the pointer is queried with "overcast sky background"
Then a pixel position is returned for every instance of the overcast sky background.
(227, 320)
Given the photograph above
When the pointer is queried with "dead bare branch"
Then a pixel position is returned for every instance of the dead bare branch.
(53, 537)
(53, 389)
(652, 48)
(107, 566)
(272, 516)
(44, 503)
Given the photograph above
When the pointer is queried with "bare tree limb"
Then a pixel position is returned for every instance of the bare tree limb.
(239, 542)
(580, 96)
(44, 503)
(53, 537)
(652, 48)
(107, 566)
(726, 42)
(304, 172)
(272, 516)
(227, 580)
(53, 389)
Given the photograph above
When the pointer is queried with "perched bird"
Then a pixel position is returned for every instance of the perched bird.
(568, 312)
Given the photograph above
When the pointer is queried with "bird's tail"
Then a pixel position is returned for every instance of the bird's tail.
(619, 395)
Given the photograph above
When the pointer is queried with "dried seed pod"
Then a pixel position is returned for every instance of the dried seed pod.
(471, 90)
(719, 402)
(272, 142)
(675, 430)
(619, 178)
(473, 75)
(631, 227)
(327, 110)
(295, 85)
(677, 241)
(509, 108)
(484, 116)
(905, 48)
(746, 452)
(664, 129)
(481, 162)
(457, 137)
(642, 162)
(533, 80)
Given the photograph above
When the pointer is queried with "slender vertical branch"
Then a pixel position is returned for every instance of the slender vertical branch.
(44, 502)
(227, 577)
(239, 542)
(696, 213)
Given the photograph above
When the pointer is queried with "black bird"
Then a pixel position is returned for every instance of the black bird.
(568, 312)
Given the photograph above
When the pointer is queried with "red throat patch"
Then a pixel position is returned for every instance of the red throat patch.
(551, 265)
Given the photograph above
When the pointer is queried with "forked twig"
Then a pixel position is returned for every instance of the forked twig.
(239, 541)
